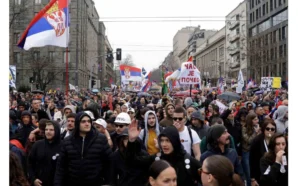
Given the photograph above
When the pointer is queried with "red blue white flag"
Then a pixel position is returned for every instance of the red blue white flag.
(49, 27)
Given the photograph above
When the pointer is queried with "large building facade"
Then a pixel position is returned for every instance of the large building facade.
(236, 42)
(210, 57)
(83, 49)
(267, 38)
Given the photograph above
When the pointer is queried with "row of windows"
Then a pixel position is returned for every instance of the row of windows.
(51, 56)
(276, 70)
(279, 34)
(264, 9)
(19, 2)
(265, 25)
(269, 55)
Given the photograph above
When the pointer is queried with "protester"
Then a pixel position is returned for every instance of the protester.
(168, 120)
(87, 149)
(281, 118)
(198, 125)
(274, 164)
(258, 148)
(149, 134)
(171, 151)
(218, 170)
(16, 173)
(161, 173)
(43, 156)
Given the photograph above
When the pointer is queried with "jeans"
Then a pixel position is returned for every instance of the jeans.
(246, 168)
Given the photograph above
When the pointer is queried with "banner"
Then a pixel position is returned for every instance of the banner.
(269, 83)
(12, 76)
(240, 82)
(189, 74)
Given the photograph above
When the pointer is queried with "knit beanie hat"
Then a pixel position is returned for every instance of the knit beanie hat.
(214, 132)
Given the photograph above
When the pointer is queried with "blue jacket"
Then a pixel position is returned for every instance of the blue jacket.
(229, 153)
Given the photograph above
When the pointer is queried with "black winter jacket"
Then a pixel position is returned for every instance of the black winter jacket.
(43, 157)
(81, 160)
(189, 177)
(273, 177)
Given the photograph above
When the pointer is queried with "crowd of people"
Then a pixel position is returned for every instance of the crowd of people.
(124, 139)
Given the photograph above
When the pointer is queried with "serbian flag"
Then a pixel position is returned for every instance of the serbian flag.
(147, 86)
(129, 73)
(49, 27)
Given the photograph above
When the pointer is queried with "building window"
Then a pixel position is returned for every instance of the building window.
(253, 16)
(274, 36)
(51, 56)
(266, 39)
(283, 33)
(257, 14)
(37, 1)
(279, 2)
(268, 56)
(285, 50)
(279, 34)
(264, 9)
(36, 56)
(271, 5)
(272, 53)
(16, 37)
(237, 17)
(237, 30)
(275, 4)
(250, 16)
(17, 2)
(254, 31)
(275, 53)
(17, 57)
(282, 16)
(281, 51)
(270, 38)
(252, 3)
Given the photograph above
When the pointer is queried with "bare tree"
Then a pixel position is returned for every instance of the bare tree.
(17, 9)
(44, 70)
(127, 61)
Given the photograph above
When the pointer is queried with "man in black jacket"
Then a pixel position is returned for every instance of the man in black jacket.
(83, 155)
(43, 156)
(35, 104)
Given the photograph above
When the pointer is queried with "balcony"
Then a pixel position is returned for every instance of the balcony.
(236, 64)
(233, 38)
(234, 24)
(233, 51)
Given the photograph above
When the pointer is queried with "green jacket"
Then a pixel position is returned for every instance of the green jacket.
(203, 145)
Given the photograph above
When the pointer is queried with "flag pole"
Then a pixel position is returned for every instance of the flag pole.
(66, 56)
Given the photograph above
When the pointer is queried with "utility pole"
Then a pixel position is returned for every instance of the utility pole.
(77, 46)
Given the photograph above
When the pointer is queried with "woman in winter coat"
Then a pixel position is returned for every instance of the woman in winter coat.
(258, 148)
(249, 131)
(171, 150)
(123, 173)
(274, 165)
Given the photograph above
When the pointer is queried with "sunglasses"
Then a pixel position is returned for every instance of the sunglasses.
(270, 129)
(200, 171)
(120, 126)
(179, 119)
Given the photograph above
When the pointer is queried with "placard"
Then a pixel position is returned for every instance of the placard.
(189, 74)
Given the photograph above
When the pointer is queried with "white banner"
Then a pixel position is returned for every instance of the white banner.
(189, 74)
(12, 76)
(266, 83)
(240, 82)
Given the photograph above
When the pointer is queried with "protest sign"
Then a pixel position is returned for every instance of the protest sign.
(189, 74)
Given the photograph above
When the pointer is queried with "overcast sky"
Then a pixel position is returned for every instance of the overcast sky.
(150, 42)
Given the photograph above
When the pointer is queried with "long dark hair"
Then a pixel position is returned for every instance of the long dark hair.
(248, 124)
(222, 170)
(242, 111)
(16, 175)
(266, 123)
(270, 155)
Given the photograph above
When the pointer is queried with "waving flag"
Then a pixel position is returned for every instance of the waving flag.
(49, 27)
(129, 73)
(144, 71)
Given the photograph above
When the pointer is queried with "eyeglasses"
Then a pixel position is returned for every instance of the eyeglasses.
(200, 171)
(85, 121)
(179, 119)
(270, 129)
(120, 126)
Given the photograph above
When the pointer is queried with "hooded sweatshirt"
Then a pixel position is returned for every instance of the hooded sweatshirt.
(167, 121)
(64, 121)
(22, 133)
(281, 121)
(149, 138)
(43, 157)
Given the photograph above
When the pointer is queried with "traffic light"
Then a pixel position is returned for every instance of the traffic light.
(31, 79)
(118, 54)
(110, 57)
(93, 82)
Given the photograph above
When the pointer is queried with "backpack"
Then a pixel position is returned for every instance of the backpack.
(191, 140)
